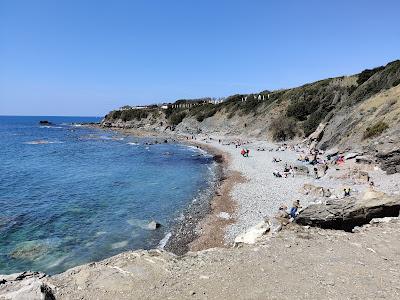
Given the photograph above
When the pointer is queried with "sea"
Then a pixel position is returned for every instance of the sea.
(70, 194)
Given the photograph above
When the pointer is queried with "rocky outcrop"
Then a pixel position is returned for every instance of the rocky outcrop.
(153, 225)
(390, 161)
(26, 285)
(253, 234)
(45, 122)
(347, 213)
(319, 191)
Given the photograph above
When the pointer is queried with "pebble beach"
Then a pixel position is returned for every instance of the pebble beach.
(261, 193)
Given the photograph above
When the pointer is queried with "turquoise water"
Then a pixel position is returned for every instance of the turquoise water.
(70, 195)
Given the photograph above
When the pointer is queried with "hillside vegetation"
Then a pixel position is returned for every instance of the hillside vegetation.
(368, 102)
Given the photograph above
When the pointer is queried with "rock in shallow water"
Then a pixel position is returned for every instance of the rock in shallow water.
(29, 250)
(153, 225)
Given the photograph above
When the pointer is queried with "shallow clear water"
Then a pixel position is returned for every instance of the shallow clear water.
(71, 195)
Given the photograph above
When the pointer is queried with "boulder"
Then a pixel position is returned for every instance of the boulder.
(319, 191)
(301, 170)
(390, 161)
(317, 134)
(26, 285)
(253, 234)
(347, 213)
(153, 225)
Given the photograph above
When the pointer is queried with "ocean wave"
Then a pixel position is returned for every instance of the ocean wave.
(42, 142)
(59, 127)
(199, 150)
(132, 143)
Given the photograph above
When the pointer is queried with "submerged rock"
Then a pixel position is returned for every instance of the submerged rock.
(347, 213)
(153, 225)
(29, 250)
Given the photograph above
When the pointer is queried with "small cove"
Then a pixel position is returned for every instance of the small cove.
(72, 195)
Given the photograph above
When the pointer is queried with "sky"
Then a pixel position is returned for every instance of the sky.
(85, 58)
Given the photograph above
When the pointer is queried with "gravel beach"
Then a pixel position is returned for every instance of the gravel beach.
(261, 194)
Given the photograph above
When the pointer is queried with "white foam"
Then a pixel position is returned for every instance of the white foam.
(45, 126)
(42, 142)
(164, 241)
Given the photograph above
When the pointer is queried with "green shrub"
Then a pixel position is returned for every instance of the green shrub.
(204, 111)
(375, 130)
(366, 74)
(115, 114)
(311, 124)
(283, 129)
(131, 114)
(298, 110)
(176, 118)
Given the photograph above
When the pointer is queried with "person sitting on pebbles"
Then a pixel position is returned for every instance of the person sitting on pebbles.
(295, 208)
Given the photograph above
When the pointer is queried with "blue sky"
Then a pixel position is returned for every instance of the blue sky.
(81, 57)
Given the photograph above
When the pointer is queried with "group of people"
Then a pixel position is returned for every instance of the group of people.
(287, 171)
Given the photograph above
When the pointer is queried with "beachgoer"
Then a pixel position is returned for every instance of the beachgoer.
(326, 168)
(291, 171)
(243, 152)
(347, 192)
(296, 206)
(316, 173)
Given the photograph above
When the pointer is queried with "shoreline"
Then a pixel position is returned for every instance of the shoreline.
(202, 226)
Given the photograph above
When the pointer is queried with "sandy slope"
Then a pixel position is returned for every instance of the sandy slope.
(299, 263)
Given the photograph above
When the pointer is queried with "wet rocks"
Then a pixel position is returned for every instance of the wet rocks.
(153, 225)
(347, 213)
